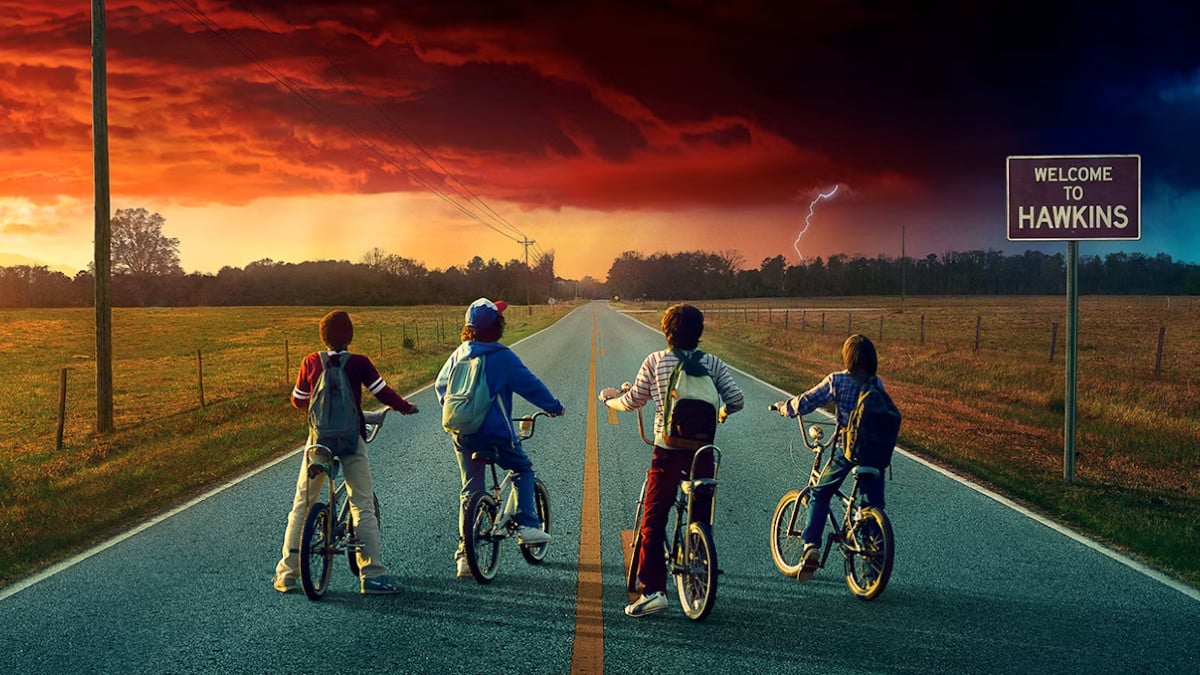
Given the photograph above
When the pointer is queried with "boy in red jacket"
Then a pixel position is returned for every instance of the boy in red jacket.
(337, 332)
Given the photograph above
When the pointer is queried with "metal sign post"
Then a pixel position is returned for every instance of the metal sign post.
(1072, 198)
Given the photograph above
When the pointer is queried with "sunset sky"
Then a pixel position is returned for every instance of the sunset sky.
(442, 130)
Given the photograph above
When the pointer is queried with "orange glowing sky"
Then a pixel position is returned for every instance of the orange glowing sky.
(325, 129)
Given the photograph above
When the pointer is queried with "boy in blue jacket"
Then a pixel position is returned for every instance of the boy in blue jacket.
(506, 375)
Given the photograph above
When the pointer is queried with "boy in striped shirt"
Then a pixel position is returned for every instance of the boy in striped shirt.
(682, 326)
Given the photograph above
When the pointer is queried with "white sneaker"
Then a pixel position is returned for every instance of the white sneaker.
(647, 604)
(463, 568)
(531, 535)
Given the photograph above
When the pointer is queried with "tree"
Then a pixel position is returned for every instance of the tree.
(139, 247)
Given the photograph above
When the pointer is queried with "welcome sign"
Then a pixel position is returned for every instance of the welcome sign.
(1074, 197)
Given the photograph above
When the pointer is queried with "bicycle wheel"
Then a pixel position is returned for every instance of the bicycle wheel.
(786, 544)
(869, 550)
(352, 551)
(631, 571)
(534, 554)
(316, 551)
(482, 548)
(697, 582)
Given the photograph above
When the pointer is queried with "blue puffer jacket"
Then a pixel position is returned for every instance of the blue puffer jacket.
(506, 375)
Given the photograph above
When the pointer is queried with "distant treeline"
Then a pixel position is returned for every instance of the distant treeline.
(391, 280)
(699, 275)
(386, 281)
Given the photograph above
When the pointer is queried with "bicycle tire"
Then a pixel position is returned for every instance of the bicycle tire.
(351, 552)
(631, 570)
(316, 551)
(481, 548)
(697, 581)
(534, 554)
(870, 556)
(787, 546)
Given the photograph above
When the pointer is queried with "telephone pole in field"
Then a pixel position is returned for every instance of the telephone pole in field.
(103, 244)
(529, 273)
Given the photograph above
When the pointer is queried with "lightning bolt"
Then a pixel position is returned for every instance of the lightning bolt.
(807, 220)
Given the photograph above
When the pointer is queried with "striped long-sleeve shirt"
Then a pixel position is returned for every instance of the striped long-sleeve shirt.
(655, 375)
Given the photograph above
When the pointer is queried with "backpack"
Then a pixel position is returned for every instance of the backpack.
(873, 427)
(468, 399)
(333, 415)
(691, 405)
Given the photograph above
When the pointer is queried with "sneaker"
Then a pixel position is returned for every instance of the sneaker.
(809, 561)
(531, 535)
(463, 568)
(381, 585)
(647, 604)
(285, 584)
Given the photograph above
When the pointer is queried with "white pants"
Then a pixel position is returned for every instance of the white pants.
(357, 471)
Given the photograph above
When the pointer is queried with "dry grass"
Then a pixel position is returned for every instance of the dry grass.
(167, 447)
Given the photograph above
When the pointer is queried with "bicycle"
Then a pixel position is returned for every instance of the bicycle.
(328, 527)
(486, 524)
(863, 533)
(692, 554)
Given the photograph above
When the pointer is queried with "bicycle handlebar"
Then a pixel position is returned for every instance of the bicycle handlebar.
(812, 434)
(526, 424)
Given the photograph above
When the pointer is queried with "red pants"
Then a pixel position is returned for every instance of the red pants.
(667, 469)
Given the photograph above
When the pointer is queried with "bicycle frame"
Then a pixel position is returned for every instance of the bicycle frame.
(683, 502)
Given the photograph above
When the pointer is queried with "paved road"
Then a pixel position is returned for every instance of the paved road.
(978, 587)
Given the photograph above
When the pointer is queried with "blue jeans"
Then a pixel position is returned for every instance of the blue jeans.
(509, 456)
(831, 479)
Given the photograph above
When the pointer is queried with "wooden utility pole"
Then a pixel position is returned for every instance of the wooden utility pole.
(103, 247)
(529, 273)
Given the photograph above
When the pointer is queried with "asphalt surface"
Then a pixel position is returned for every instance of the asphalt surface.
(978, 587)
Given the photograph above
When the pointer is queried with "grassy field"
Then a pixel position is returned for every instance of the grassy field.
(167, 447)
(996, 413)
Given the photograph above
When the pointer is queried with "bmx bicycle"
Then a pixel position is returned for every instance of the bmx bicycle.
(328, 527)
(486, 523)
(692, 553)
(862, 533)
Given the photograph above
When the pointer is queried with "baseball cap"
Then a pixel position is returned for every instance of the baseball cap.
(483, 312)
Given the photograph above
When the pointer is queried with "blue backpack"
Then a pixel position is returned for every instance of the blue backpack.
(333, 415)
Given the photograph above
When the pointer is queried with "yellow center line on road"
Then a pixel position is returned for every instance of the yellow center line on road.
(587, 654)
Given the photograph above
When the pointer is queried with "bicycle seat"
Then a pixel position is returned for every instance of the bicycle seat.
(689, 486)
(485, 456)
(866, 472)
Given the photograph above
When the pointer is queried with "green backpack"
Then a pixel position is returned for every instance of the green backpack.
(873, 427)
(467, 400)
(333, 415)
(690, 409)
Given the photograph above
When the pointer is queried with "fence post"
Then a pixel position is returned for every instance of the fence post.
(1162, 333)
(922, 329)
(1053, 339)
(287, 362)
(881, 328)
(849, 323)
(803, 319)
(200, 376)
(381, 343)
(62, 407)
(785, 318)
(822, 323)
(978, 327)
